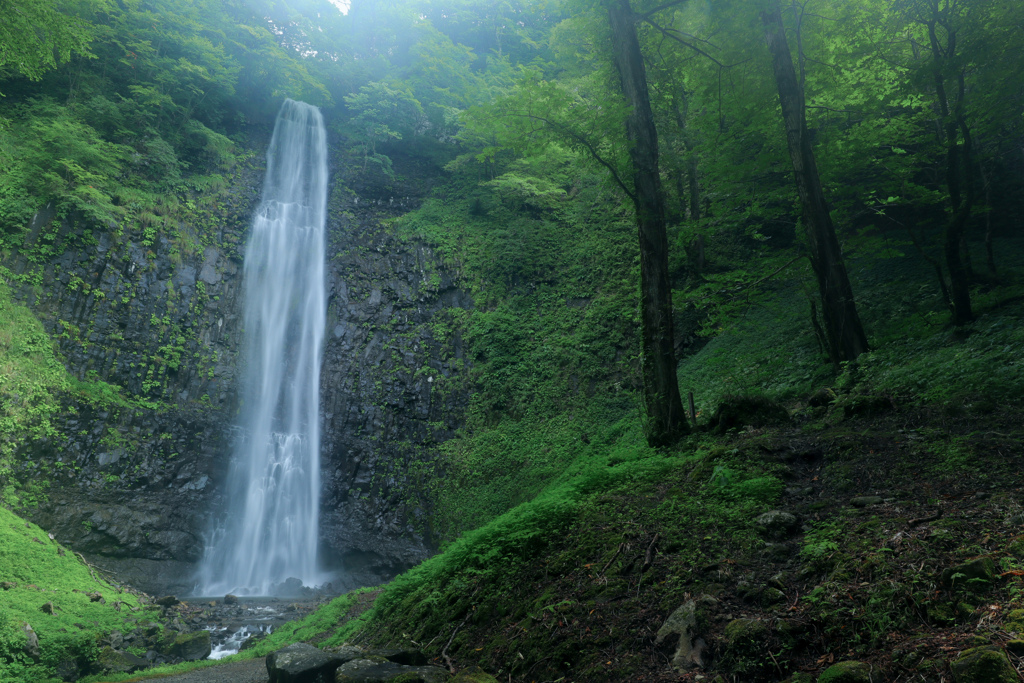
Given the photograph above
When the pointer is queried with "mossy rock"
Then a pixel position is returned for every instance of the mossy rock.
(847, 672)
(941, 613)
(740, 632)
(744, 651)
(772, 596)
(1014, 621)
(190, 646)
(747, 411)
(980, 572)
(117, 662)
(986, 664)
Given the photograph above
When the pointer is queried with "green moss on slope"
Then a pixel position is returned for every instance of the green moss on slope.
(48, 588)
(31, 377)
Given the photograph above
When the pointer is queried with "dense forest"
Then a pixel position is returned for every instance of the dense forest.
(701, 356)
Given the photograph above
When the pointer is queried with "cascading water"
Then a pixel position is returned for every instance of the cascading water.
(270, 533)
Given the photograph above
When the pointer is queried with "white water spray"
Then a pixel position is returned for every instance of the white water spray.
(270, 533)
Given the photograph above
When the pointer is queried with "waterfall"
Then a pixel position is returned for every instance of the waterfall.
(270, 531)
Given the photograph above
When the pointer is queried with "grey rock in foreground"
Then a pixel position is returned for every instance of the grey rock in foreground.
(777, 524)
(303, 663)
(680, 631)
(376, 671)
(118, 662)
(191, 647)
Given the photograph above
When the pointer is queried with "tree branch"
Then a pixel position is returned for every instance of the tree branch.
(581, 140)
(747, 286)
(670, 33)
(832, 109)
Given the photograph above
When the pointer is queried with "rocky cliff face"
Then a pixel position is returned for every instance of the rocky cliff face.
(393, 389)
(393, 381)
(133, 483)
(155, 313)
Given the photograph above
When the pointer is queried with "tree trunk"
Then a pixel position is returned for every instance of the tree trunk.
(666, 419)
(693, 187)
(691, 167)
(959, 173)
(990, 257)
(842, 324)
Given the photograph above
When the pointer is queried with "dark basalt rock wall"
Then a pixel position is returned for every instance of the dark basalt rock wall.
(393, 389)
(134, 488)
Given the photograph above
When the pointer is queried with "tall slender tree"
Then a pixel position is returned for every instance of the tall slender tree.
(843, 329)
(666, 419)
(947, 69)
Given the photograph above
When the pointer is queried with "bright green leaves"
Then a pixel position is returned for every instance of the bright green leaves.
(380, 114)
(576, 115)
(39, 35)
(539, 182)
(65, 161)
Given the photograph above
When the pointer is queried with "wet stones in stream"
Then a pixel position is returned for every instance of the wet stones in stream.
(191, 630)
(238, 624)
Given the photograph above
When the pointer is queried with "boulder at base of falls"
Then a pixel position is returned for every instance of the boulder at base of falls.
(304, 663)
(117, 662)
(402, 656)
(189, 646)
(377, 670)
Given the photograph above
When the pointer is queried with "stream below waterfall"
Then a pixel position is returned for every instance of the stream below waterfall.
(252, 618)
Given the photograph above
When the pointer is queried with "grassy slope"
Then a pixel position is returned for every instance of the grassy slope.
(576, 584)
(40, 571)
(43, 572)
(31, 378)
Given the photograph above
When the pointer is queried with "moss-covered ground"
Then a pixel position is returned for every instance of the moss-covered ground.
(68, 604)
(574, 583)
(575, 588)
